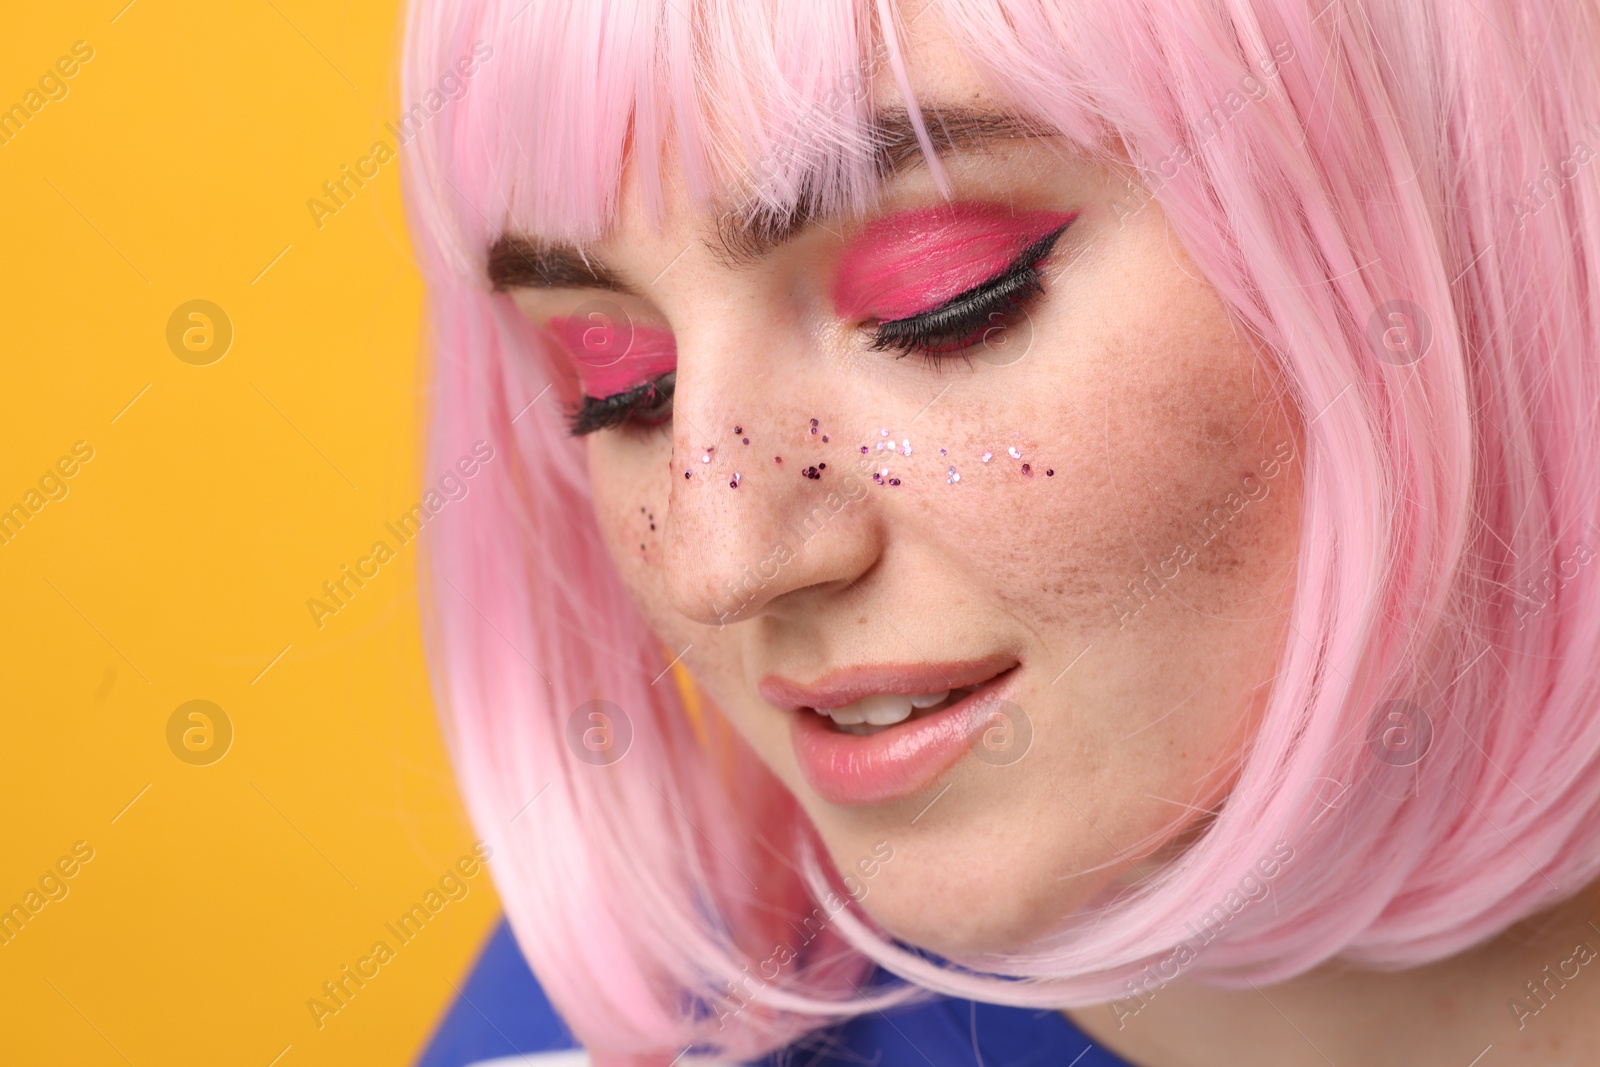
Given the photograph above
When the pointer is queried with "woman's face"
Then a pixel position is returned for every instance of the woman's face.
(1076, 512)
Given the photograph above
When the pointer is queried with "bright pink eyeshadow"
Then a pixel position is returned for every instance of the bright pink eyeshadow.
(912, 261)
(613, 358)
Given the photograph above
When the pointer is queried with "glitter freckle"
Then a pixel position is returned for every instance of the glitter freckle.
(1027, 469)
(1050, 472)
(987, 456)
(746, 440)
(824, 438)
(1012, 451)
(894, 481)
(687, 473)
(737, 430)
(953, 478)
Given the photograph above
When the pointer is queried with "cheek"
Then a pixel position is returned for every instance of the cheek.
(1157, 509)
(1153, 572)
(629, 481)
(632, 483)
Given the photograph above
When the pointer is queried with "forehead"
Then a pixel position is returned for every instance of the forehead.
(908, 100)
(661, 105)
(762, 112)
(745, 228)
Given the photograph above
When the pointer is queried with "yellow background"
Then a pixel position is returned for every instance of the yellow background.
(179, 564)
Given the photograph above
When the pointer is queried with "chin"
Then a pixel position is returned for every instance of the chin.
(978, 881)
(964, 914)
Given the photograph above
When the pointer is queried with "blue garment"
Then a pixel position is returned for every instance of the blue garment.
(502, 1012)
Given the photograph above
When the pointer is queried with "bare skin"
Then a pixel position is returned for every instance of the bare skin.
(1149, 406)
(1456, 1011)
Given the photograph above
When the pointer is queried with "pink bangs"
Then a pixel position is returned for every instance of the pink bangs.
(1389, 199)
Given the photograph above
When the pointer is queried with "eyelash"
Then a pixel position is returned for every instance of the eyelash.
(966, 319)
(954, 326)
(603, 413)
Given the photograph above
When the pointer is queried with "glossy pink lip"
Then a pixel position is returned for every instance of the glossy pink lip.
(913, 261)
(897, 762)
(849, 684)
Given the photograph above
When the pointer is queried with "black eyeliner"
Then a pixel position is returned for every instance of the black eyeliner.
(603, 413)
(970, 310)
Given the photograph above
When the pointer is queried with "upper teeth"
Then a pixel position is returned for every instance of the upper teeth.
(882, 709)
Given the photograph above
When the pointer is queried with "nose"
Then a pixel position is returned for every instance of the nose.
(752, 528)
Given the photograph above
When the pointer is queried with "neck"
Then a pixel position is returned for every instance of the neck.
(1533, 993)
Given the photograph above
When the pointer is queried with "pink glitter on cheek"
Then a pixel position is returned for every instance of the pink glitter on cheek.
(611, 360)
(912, 261)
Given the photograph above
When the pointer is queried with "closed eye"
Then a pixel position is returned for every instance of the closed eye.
(648, 404)
(969, 317)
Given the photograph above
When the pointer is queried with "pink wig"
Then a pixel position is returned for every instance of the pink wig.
(1405, 210)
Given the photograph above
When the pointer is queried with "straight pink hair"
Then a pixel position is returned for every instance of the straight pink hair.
(1407, 214)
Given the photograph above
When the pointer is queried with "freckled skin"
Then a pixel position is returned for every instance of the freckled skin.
(1160, 421)
(1134, 388)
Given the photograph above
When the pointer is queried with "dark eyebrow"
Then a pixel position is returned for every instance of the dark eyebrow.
(746, 234)
(521, 262)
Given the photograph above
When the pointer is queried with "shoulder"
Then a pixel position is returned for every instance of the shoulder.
(501, 1018)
